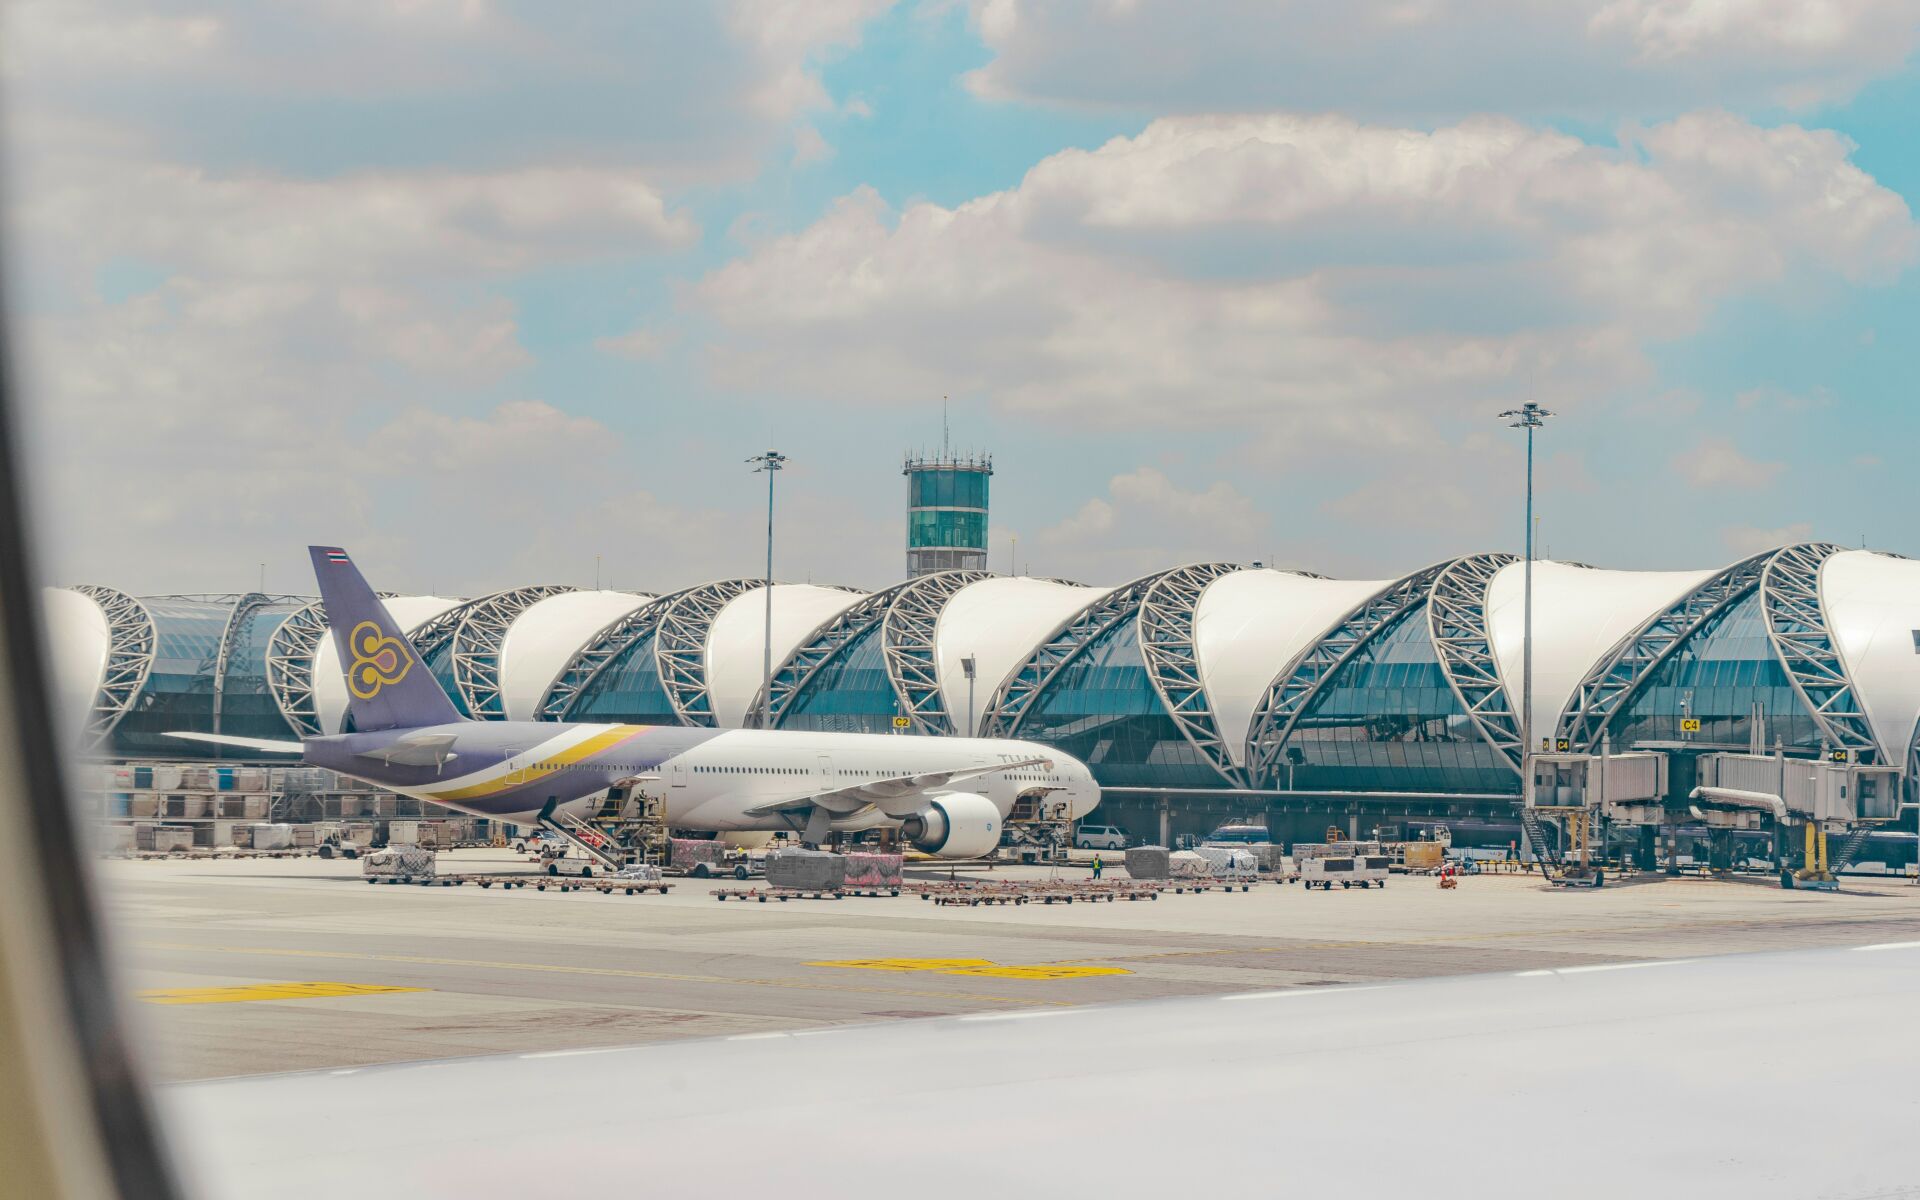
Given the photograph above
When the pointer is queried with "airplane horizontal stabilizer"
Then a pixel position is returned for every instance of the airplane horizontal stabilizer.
(224, 739)
(416, 750)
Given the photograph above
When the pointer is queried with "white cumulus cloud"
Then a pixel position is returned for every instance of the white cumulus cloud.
(1305, 277)
(1147, 521)
(1404, 57)
(1715, 462)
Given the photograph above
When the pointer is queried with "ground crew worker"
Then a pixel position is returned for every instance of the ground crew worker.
(1097, 864)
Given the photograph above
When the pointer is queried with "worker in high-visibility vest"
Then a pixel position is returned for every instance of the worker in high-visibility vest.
(1097, 865)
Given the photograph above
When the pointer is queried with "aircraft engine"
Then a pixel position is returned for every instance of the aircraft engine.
(955, 825)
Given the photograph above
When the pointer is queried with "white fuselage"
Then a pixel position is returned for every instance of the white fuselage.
(716, 780)
(715, 784)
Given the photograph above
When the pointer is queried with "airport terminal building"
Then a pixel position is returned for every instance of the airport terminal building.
(1201, 693)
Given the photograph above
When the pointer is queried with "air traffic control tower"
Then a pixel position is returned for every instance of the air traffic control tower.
(947, 512)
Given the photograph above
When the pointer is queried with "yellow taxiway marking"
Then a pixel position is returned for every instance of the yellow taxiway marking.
(601, 971)
(974, 966)
(266, 991)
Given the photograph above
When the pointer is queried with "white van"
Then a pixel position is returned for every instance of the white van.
(1099, 837)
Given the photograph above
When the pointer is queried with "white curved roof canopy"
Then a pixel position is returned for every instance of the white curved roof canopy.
(1579, 614)
(545, 636)
(1872, 602)
(1249, 625)
(79, 639)
(737, 639)
(330, 687)
(998, 622)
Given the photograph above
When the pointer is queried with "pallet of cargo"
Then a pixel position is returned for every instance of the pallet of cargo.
(777, 893)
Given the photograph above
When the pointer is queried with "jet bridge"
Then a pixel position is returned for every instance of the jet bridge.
(1741, 791)
(1837, 795)
(1578, 791)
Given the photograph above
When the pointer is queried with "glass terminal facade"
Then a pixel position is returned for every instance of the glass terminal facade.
(1388, 721)
(1102, 709)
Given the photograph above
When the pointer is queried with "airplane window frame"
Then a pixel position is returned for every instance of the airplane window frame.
(126, 1139)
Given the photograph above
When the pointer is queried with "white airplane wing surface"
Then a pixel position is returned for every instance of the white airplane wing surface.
(415, 750)
(227, 739)
(1749, 1075)
(881, 791)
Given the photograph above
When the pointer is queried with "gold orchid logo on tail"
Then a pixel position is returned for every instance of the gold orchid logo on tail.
(378, 661)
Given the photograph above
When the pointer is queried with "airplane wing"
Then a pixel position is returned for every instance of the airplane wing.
(414, 750)
(226, 739)
(881, 792)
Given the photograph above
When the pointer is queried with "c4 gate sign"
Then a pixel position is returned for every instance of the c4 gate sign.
(1689, 724)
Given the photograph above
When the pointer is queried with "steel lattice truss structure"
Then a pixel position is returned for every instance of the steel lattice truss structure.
(1166, 645)
(290, 668)
(1619, 676)
(430, 638)
(1008, 708)
(602, 648)
(477, 640)
(290, 663)
(1913, 764)
(1797, 626)
(243, 606)
(1457, 622)
(825, 645)
(1292, 693)
(132, 642)
(906, 637)
(680, 645)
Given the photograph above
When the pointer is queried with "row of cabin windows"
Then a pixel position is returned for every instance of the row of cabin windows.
(716, 770)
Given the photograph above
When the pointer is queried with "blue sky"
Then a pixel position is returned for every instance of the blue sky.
(487, 291)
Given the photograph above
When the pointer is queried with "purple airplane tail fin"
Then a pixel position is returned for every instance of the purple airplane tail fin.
(388, 686)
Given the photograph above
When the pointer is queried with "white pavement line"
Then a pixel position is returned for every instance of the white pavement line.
(1292, 993)
(1019, 1016)
(1632, 966)
(578, 1053)
(1891, 946)
(755, 1037)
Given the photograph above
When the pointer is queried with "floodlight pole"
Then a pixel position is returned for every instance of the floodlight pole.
(770, 462)
(967, 665)
(1529, 416)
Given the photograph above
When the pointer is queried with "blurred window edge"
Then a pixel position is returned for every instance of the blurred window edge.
(75, 1117)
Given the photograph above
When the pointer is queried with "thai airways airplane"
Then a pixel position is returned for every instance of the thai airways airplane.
(948, 796)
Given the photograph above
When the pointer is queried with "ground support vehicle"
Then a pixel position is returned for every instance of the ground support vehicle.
(737, 869)
(1349, 871)
(1100, 837)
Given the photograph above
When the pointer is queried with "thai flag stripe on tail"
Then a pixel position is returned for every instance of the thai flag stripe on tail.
(336, 556)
